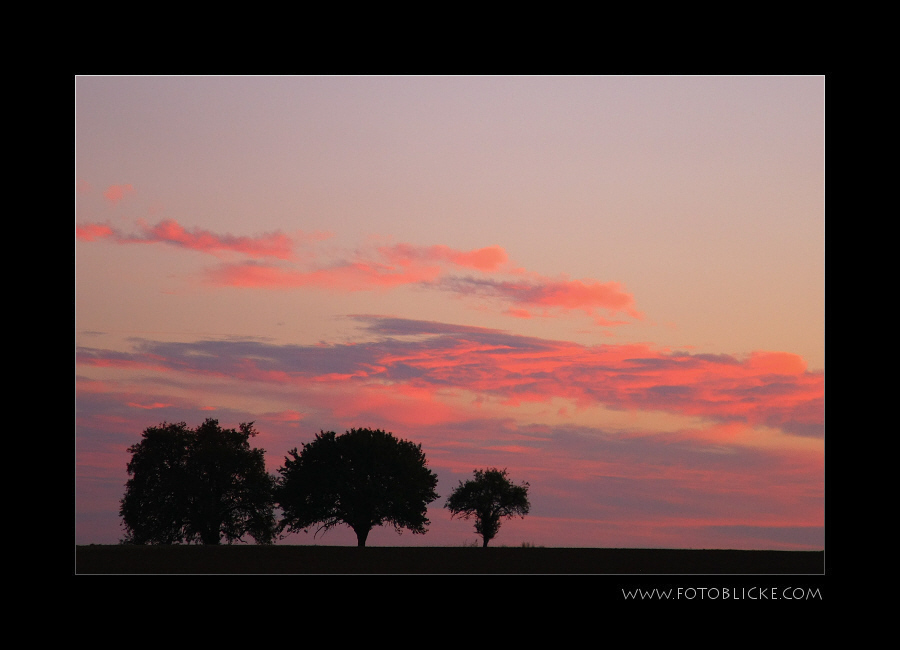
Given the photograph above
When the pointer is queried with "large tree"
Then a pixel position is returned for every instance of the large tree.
(197, 486)
(362, 478)
(489, 497)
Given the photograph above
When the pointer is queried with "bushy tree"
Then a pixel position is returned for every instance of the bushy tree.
(362, 478)
(489, 497)
(197, 485)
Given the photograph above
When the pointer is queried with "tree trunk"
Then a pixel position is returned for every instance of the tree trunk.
(211, 535)
(361, 536)
(486, 540)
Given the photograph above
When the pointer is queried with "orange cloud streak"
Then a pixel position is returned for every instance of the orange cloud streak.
(527, 296)
(351, 277)
(388, 266)
(276, 245)
(169, 231)
(546, 296)
(490, 258)
(92, 232)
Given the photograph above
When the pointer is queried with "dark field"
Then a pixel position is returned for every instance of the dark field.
(123, 559)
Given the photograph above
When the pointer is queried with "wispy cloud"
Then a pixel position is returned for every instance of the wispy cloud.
(354, 276)
(275, 245)
(491, 258)
(541, 296)
(272, 264)
(363, 270)
(771, 389)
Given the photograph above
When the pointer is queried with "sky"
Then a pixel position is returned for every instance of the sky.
(613, 287)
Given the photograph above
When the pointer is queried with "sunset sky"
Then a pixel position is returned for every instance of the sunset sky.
(613, 287)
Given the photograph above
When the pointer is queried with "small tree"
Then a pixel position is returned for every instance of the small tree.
(489, 497)
(197, 485)
(363, 478)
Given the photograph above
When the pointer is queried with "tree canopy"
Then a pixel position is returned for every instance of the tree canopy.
(489, 497)
(197, 485)
(362, 478)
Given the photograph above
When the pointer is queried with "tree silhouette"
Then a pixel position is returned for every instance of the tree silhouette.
(197, 485)
(489, 497)
(363, 478)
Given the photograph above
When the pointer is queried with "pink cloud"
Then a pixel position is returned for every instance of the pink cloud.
(169, 231)
(407, 405)
(93, 231)
(782, 363)
(97, 359)
(483, 259)
(519, 313)
(696, 484)
(577, 294)
(764, 389)
(284, 417)
(490, 258)
(154, 405)
(115, 193)
(548, 297)
(403, 264)
(359, 276)
(276, 245)
(525, 296)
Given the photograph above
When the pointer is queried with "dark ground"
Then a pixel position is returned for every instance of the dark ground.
(252, 559)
